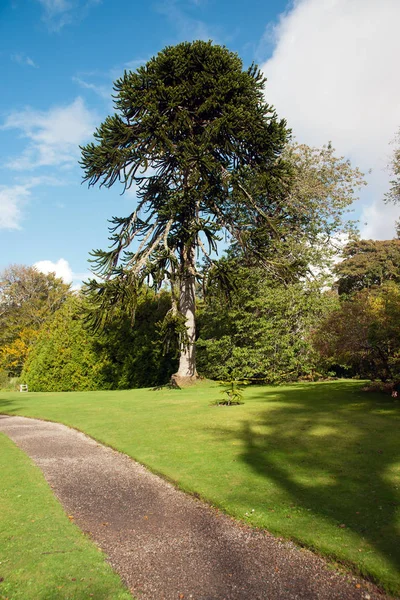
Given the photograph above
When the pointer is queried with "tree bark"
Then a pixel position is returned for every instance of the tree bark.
(187, 373)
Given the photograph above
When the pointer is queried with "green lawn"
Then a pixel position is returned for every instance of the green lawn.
(317, 463)
(43, 556)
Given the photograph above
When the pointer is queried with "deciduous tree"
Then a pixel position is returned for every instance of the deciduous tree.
(393, 195)
(368, 263)
(27, 299)
(363, 334)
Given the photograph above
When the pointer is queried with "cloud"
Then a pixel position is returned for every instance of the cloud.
(14, 197)
(62, 269)
(188, 27)
(23, 59)
(332, 76)
(379, 221)
(101, 90)
(54, 136)
(101, 82)
(58, 13)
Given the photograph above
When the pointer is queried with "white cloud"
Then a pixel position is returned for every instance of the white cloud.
(332, 75)
(12, 199)
(188, 27)
(62, 269)
(23, 59)
(101, 90)
(58, 13)
(379, 219)
(54, 135)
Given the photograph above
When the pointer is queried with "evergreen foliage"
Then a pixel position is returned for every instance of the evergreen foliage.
(63, 358)
(68, 357)
(263, 333)
(191, 130)
(142, 356)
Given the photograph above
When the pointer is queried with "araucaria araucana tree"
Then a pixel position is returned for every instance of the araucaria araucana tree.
(191, 126)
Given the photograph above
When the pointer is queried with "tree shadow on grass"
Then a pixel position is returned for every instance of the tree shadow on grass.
(332, 450)
(8, 406)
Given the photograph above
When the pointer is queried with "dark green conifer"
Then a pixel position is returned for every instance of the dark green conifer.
(191, 130)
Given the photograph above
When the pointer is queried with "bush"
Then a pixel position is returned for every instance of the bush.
(63, 358)
(68, 357)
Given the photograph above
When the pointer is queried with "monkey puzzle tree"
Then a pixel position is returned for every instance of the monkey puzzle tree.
(191, 128)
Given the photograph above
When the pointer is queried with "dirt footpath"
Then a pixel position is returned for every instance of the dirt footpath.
(165, 544)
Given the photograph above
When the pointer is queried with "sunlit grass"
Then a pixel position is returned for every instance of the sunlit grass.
(317, 463)
(43, 556)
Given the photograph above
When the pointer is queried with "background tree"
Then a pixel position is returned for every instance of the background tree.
(368, 263)
(67, 357)
(393, 194)
(14, 354)
(305, 224)
(63, 358)
(192, 130)
(263, 332)
(141, 356)
(363, 334)
(27, 299)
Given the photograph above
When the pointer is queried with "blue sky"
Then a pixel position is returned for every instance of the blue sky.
(331, 69)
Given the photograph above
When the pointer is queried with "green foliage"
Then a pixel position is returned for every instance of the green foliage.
(191, 127)
(263, 334)
(142, 356)
(68, 356)
(368, 263)
(233, 392)
(363, 334)
(7, 383)
(299, 222)
(28, 299)
(63, 358)
(393, 195)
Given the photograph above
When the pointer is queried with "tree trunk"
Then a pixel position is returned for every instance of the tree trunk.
(187, 373)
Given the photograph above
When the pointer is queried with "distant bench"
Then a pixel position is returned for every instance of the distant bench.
(23, 387)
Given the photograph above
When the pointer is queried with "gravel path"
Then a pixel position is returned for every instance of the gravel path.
(165, 544)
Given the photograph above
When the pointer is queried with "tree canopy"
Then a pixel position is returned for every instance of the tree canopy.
(68, 357)
(263, 332)
(27, 299)
(368, 263)
(191, 130)
(393, 195)
(363, 333)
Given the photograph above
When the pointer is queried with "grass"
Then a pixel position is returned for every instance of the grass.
(43, 556)
(316, 463)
